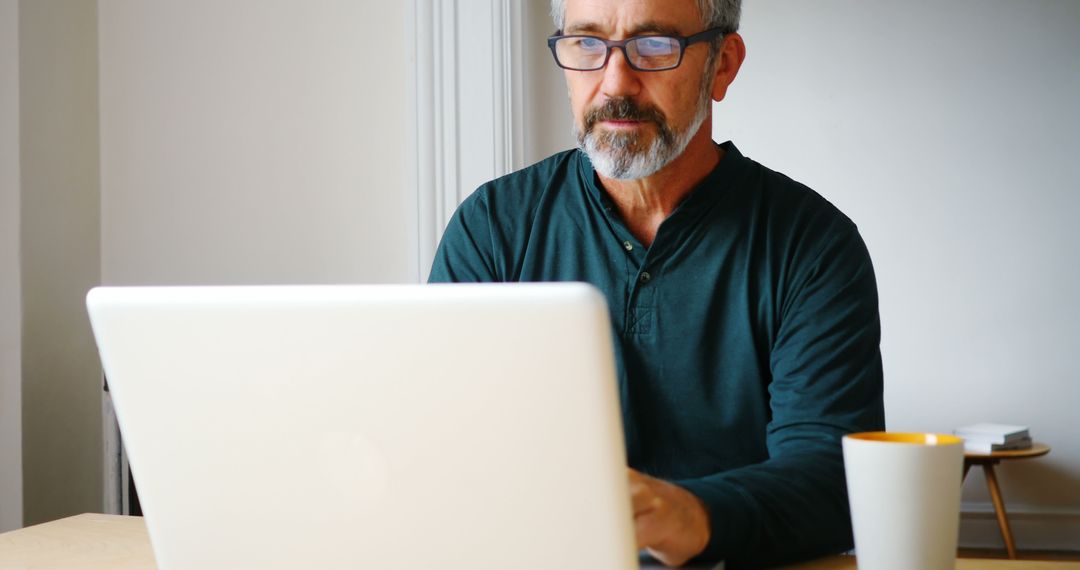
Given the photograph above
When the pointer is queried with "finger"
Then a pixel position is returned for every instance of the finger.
(649, 530)
(638, 484)
(648, 503)
(644, 499)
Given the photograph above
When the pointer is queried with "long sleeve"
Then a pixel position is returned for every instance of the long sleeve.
(826, 381)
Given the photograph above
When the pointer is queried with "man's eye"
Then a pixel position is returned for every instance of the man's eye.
(590, 44)
(655, 46)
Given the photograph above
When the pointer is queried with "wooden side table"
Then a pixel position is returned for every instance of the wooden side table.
(988, 461)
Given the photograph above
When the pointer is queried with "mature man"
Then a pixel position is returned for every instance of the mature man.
(744, 305)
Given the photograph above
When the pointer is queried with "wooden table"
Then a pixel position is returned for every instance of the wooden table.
(99, 542)
(988, 461)
(83, 542)
(848, 563)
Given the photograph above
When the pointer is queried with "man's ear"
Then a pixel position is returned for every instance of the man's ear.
(729, 60)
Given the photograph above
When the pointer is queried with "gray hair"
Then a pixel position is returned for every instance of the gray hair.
(723, 14)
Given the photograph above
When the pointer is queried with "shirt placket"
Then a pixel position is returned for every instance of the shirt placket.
(639, 318)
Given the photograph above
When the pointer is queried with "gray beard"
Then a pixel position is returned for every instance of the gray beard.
(620, 156)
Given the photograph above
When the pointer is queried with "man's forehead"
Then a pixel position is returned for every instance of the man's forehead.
(632, 17)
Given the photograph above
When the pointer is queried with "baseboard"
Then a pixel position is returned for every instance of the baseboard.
(1033, 528)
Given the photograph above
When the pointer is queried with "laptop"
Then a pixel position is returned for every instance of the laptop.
(411, 426)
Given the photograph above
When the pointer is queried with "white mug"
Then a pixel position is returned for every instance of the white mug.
(904, 490)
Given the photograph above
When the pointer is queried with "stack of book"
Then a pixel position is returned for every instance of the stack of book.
(989, 437)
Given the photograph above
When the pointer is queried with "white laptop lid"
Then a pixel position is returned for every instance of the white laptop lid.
(442, 426)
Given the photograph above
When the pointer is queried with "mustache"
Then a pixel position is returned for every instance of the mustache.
(623, 109)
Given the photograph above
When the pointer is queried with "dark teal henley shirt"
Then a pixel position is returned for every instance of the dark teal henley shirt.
(746, 336)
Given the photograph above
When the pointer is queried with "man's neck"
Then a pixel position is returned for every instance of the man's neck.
(644, 203)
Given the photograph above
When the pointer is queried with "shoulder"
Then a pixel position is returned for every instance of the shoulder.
(804, 234)
(522, 190)
(794, 203)
(485, 237)
(797, 222)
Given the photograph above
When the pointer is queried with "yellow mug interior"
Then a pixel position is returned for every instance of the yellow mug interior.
(912, 438)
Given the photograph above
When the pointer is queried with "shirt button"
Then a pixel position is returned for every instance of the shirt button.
(628, 246)
(645, 277)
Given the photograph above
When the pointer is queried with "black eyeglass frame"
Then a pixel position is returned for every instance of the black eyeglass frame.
(684, 42)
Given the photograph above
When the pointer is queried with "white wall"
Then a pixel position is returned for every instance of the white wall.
(59, 234)
(254, 142)
(11, 501)
(547, 111)
(947, 131)
(244, 142)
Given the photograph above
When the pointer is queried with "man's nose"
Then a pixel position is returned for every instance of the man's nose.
(620, 80)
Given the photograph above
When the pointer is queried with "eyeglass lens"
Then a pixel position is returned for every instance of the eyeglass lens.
(588, 53)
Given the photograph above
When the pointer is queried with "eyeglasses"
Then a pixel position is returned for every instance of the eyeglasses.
(643, 53)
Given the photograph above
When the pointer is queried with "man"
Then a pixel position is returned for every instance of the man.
(744, 305)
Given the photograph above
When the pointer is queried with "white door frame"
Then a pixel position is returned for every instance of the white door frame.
(466, 105)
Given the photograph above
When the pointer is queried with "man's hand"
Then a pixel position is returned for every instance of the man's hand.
(669, 521)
